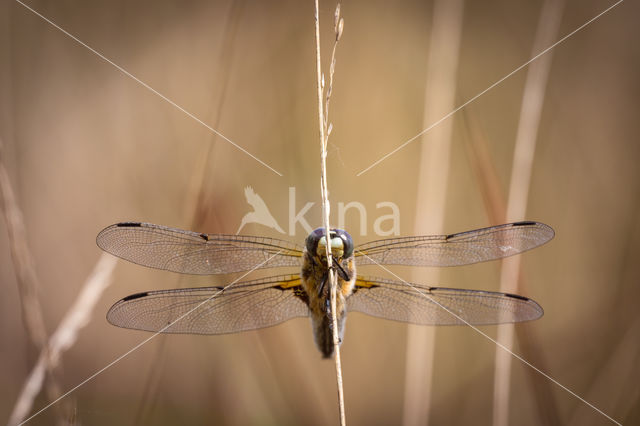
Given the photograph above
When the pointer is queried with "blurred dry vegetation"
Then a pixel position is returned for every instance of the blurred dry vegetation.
(86, 146)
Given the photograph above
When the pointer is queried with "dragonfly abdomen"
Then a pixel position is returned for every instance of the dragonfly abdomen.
(315, 283)
(323, 331)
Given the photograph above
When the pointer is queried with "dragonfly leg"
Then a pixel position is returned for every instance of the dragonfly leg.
(341, 272)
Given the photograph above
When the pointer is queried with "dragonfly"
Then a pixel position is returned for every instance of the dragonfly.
(265, 302)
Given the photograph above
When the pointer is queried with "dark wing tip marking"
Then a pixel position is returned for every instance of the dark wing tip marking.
(135, 296)
(204, 237)
(128, 224)
(517, 296)
(525, 223)
(542, 226)
(535, 305)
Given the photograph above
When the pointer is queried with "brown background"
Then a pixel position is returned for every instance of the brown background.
(87, 146)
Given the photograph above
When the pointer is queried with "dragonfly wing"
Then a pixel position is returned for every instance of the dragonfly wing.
(418, 304)
(463, 248)
(188, 252)
(212, 310)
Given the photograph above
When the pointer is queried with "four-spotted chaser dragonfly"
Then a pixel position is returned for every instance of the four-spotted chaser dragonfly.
(269, 301)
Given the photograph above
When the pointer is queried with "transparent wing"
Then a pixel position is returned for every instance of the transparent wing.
(416, 304)
(188, 252)
(245, 306)
(456, 249)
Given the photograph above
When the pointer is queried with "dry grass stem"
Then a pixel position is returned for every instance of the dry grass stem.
(324, 130)
(26, 277)
(23, 262)
(432, 189)
(201, 208)
(479, 157)
(530, 112)
(199, 202)
(65, 335)
(77, 316)
(496, 206)
(338, 25)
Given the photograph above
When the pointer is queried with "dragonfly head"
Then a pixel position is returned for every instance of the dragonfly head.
(340, 241)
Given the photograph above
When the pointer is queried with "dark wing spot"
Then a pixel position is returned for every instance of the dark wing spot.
(525, 223)
(517, 296)
(129, 224)
(204, 237)
(135, 296)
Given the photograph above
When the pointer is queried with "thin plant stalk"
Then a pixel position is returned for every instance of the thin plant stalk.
(77, 316)
(27, 280)
(530, 112)
(496, 207)
(65, 336)
(199, 201)
(322, 124)
(199, 196)
(432, 189)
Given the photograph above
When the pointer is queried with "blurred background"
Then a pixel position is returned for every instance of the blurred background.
(86, 146)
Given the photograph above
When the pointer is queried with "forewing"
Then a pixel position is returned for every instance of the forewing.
(211, 310)
(418, 304)
(188, 252)
(456, 249)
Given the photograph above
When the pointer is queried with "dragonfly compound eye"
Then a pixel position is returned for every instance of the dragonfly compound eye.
(347, 242)
(311, 243)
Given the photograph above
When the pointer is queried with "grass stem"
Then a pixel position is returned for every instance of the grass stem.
(323, 126)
